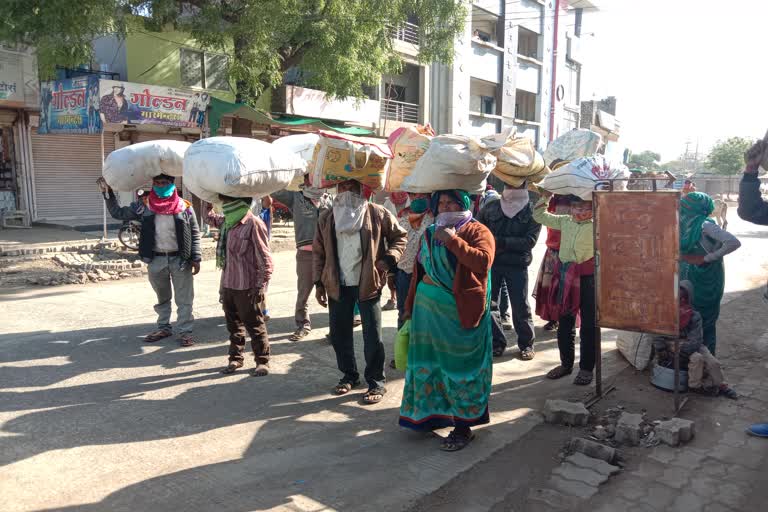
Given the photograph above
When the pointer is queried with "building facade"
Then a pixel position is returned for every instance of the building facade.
(517, 64)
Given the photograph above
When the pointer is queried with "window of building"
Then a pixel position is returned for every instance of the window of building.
(488, 104)
(525, 106)
(528, 43)
(204, 70)
(572, 84)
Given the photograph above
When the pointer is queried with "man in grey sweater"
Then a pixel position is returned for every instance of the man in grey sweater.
(306, 206)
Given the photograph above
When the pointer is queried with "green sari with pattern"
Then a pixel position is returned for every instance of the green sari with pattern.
(448, 377)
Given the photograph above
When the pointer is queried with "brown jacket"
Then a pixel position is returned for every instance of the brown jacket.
(474, 248)
(379, 226)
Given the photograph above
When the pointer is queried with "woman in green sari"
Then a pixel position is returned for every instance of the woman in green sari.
(702, 247)
(448, 376)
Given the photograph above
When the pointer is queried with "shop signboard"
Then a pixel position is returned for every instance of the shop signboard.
(132, 103)
(70, 105)
(637, 248)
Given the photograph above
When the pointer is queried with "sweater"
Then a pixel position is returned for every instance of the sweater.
(515, 238)
(474, 248)
(577, 243)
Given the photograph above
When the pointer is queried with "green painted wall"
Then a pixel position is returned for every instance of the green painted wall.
(155, 58)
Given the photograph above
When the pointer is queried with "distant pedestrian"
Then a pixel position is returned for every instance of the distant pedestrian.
(356, 244)
(169, 242)
(243, 255)
(703, 244)
(306, 207)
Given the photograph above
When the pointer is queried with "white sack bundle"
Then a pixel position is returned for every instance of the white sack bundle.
(583, 175)
(131, 167)
(238, 167)
(302, 145)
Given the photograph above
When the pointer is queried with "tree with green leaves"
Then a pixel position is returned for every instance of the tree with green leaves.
(647, 160)
(341, 46)
(727, 158)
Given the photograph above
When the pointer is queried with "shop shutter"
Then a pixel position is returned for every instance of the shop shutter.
(66, 169)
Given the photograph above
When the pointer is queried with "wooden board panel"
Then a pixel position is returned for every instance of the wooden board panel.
(637, 247)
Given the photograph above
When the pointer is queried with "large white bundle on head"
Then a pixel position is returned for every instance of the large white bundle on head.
(584, 175)
(131, 167)
(238, 167)
(577, 143)
(302, 145)
(452, 162)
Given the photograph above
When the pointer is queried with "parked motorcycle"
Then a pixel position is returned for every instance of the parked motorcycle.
(128, 234)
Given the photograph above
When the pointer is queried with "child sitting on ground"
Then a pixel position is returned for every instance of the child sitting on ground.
(705, 374)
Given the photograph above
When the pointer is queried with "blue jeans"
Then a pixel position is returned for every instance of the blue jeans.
(504, 304)
(402, 285)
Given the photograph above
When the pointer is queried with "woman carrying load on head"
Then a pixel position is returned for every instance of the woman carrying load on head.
(448, 375)
(702, 247)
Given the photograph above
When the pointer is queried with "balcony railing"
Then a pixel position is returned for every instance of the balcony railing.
(399, 111)
(407, 32)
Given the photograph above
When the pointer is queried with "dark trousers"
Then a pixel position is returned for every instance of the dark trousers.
(304, 286)
(566, 331)
(522, 318)
(341, 314)
(504, 300)
(243, 315)
(402, 285)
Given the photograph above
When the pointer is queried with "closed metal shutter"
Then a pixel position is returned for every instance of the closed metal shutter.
(66, 169)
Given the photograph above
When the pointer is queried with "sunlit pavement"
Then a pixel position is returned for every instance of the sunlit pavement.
(92, 418)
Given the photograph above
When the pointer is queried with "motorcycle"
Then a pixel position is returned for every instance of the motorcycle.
(128, 234)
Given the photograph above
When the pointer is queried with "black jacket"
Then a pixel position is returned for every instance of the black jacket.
(515, 237)
(752, 208)
(187, 230)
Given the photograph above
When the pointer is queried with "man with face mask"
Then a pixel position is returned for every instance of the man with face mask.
(169, 243)
(356, 244)
(510, 219)
(306, 207)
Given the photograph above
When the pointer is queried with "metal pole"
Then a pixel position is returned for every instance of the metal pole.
(103, 203)
(598, 335)
(677, 375)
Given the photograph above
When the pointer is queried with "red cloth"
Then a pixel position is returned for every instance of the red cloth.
(170, 205)
(565, 296)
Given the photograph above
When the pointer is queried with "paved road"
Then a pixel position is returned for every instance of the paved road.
(92, 419)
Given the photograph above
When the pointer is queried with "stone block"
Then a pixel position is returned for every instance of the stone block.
(597, 465)
(578, 474)
(573, 488)
(675, 431)
(566, 413)
(593, 449)
(629, 429)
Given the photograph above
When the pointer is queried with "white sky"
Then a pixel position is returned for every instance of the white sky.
(681, 70)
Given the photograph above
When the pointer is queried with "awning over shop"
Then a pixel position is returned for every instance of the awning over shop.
(220, 108)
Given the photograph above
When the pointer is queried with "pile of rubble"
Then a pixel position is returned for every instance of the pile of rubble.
(587, 463)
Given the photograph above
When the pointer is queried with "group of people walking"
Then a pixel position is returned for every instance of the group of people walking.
(453, 256)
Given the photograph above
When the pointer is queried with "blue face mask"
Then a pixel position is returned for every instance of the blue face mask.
(165, 191)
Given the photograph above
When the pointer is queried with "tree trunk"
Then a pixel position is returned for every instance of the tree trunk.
(242, 85)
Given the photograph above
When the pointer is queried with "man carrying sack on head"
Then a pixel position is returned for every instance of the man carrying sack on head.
(170, 244)
(245, 259)
(356, 244)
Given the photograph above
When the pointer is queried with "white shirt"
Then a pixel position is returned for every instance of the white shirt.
(350, 257)
(165, 234)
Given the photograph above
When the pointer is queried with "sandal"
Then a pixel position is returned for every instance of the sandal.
(374, 396)
(300, 334)
(344, 387)
(455, 441)
(157, 335)
(498, 351)
(232, 367)
(261, 370)
(551, 326)
(559, 372)
(583, 378)
(527, 354)
(187, 340)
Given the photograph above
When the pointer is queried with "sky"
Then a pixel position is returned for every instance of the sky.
(682, 70)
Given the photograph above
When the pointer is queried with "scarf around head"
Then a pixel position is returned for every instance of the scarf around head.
(455, 220)
(460, 196)
(234, 212)
(513, 200)
(349, 212)
(312, 193)
(695, 209)
(170, 205)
